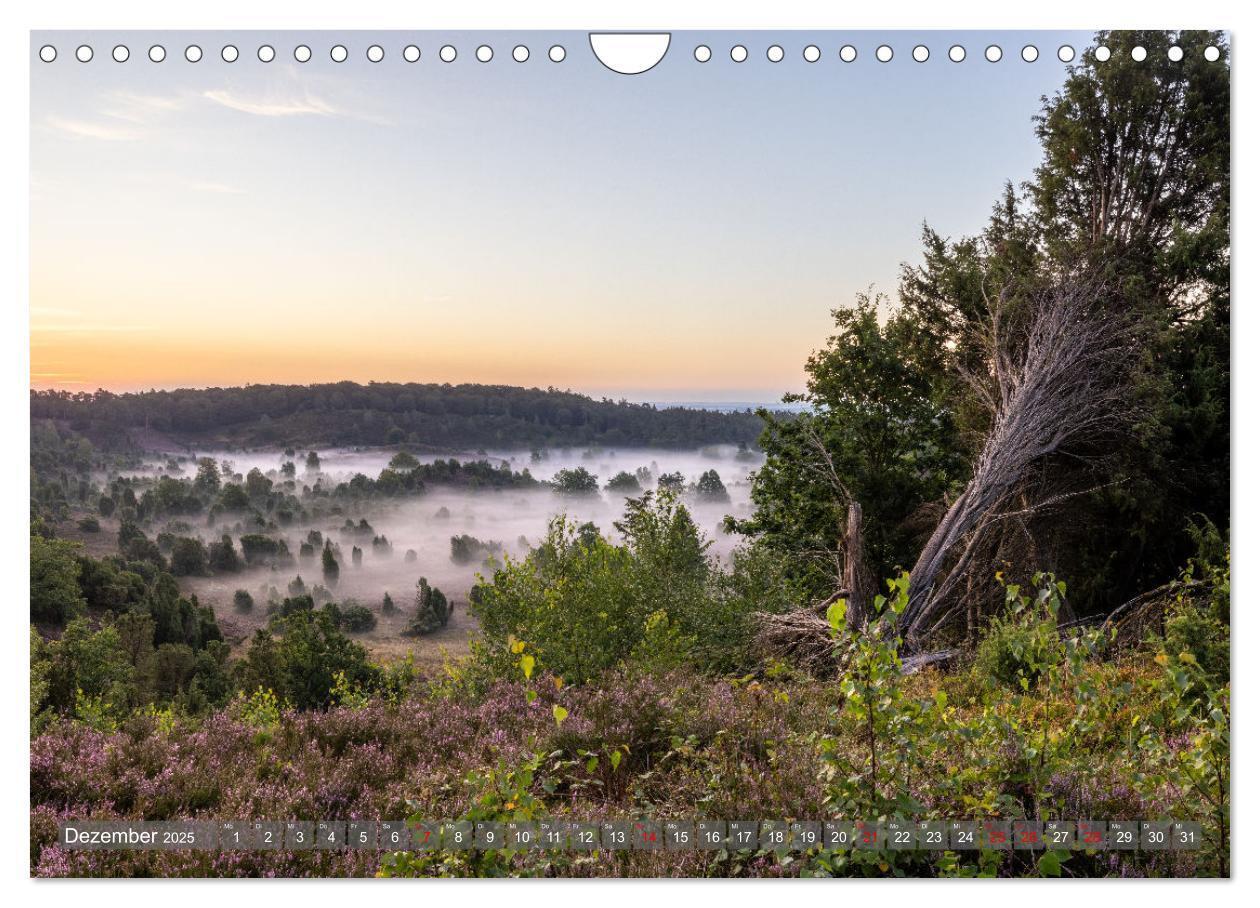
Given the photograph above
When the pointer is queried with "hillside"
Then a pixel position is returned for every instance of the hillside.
(346, 413)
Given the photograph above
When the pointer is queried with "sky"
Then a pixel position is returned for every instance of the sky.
(682, 234)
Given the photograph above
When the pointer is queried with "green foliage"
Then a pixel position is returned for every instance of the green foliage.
(1197, 628)
(107, 584)
(1186, 746)
(88, 669)
(877, 431)
(1023, 644)
(576, 481)
(357, 619)
(222, 557)
(332, 569)
(262, 708)
(41, 667)
(624, 483)
(300, 658)
(711, 488)
(243, 602)
(403, 462)
(189, 557)
(55, 594)
(584, 604)
(503, 793)
(432, 610)
(452, 417)
(467, 549)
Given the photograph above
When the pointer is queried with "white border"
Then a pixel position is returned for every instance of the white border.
(641, 15)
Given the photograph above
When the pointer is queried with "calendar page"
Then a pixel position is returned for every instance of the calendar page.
(677, 453)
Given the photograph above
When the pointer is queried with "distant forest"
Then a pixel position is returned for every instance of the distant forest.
(425, 415)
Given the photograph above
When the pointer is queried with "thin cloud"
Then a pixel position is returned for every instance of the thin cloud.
(138, 108)
(86, 129)
(273, 107)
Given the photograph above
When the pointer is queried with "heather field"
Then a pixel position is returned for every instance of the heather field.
(690, 748)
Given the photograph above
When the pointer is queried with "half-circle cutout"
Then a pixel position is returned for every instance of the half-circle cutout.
(629, 53)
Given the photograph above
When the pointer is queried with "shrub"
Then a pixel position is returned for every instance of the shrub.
(189, 557)
(89, 524)
(55, 594)
(300, 660)
(432, 610)
(257, 548)
(242, 601)
(223, 557)
(357, 619)
(1024, 643)
(1203, 636)
(332, 570)
(467, 549)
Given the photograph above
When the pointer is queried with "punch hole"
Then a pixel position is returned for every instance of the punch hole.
(811, 53)
(157, 53)
(229, 53)
(629, 53)
(1029, 54)
(557, 53)
(848, 53)
(1138, 54)
(485, 53)
(192, 53)
(302, 53)
(1102, 54)
(375, 53)
(702, 54)
(48, 53)
(739, 53)
(1212, 53)
(339, 54)
(1067, 53)
(266, 53)
(411, 53)
(83, 53)
(883, 53)
(920, 53)
(993, 53)
(447, 53)
(1176, 54)
(520, 53)
(774, 53)
(957, 53)
(121, 54)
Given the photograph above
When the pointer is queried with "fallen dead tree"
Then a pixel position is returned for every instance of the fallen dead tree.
(1059, 375)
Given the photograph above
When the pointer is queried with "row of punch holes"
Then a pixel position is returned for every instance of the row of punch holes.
(484, 53)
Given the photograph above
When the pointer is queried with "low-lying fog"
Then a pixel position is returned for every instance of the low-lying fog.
(424, 524)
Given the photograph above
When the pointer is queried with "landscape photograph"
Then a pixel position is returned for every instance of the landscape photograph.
(808, 457)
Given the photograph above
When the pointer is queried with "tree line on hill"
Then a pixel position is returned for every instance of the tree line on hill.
(383, 413)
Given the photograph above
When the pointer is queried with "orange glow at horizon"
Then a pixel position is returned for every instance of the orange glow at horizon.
(63, 358)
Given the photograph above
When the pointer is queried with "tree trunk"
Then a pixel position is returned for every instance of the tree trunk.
(855, 575)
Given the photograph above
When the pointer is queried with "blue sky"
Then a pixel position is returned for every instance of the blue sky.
(680, 234)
